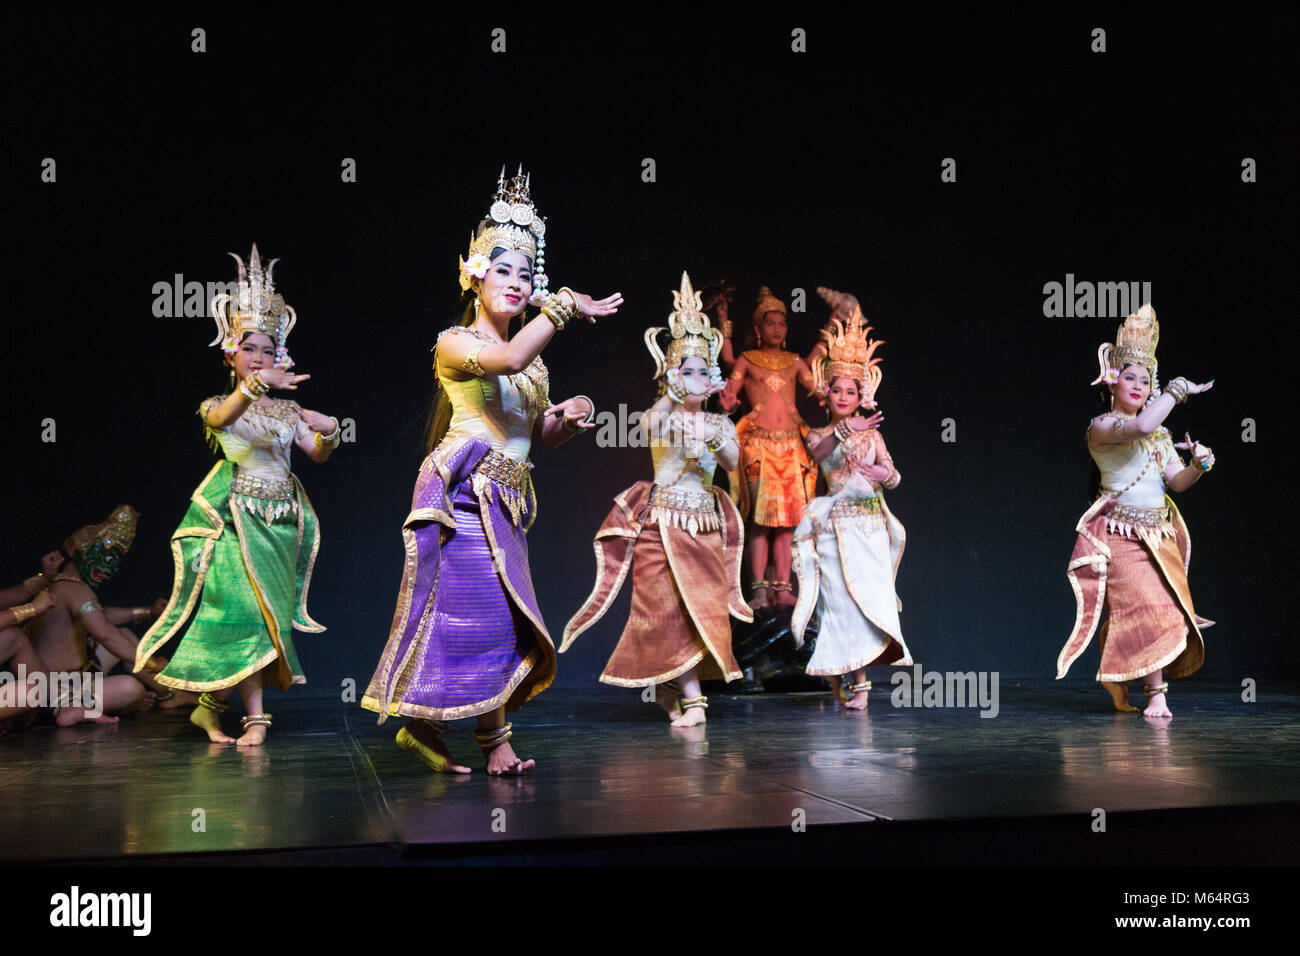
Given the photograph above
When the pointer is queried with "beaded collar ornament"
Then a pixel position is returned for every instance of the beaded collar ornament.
(514, 224)
(850, 352)
(96, 549)
(689, 330)
(1135, 344)
(256, 308)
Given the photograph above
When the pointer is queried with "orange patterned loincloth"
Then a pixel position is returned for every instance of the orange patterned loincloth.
(786, 477)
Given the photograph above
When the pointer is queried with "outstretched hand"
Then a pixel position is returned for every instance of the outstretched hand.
(589, 308)
(860, 424)
(279, 378)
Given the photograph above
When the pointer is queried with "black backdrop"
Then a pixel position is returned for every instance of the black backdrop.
(777, 168)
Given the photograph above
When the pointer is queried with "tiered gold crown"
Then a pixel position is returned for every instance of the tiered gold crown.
(689, 330)
(1135, 344)
(850, 351)
(512, 220)
(257, 307)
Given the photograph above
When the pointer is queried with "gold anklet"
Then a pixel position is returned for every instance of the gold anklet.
(209, 702)
(493, 737)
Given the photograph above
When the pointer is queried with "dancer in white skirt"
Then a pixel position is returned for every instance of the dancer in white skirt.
(848, 542)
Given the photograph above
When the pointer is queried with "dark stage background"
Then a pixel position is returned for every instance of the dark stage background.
(777, 168)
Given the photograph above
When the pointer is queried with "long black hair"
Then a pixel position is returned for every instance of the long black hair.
(438, 419)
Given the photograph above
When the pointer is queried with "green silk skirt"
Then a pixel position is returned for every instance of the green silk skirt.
(241, 581)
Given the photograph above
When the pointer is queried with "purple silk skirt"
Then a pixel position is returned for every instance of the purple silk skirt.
(467, 636)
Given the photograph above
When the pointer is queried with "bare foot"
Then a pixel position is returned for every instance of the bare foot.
(180, 698)
(150, 700)
(1156, 707)
(210, 724)
(786, 598)
(67, 716)
(1119, 694)
(760, 599)
(693, 717)
(859, 701)
(419, 738)
(253, 736)
(837, 688)
(666, 698)
(501, 761)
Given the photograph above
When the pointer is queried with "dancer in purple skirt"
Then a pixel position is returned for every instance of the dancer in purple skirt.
(467, 638)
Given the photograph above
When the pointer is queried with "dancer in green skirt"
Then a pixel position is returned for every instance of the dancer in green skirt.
(245, 550)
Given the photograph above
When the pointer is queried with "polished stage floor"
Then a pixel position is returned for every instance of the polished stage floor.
(770, 779)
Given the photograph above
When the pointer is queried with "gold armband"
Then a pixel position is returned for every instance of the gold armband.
(471, 362)
(89, 607)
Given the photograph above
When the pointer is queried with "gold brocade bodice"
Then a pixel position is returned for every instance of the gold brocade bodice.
(500, 409)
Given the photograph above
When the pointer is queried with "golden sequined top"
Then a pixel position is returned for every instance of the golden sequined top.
(500, 409)
(260, 441)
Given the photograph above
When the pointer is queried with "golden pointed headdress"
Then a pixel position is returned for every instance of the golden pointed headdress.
(512, 223)
(97, 549)
(767, 302)
(691, 334)
(851, 352)
(256, 308)
(1135, 344)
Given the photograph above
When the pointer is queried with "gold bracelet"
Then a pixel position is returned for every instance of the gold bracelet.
(1178, 389)
(332, 439)
(719, 439)
(673, 392)
(726, 329)
(843, 430)
(253, 387)
(142, 612)
(556, 312)
(23, 612)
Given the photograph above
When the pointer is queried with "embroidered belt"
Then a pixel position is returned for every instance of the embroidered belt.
(268, 489)
(773, 434)
(510, 477)
(693, 511)
(1125, 519)
(267, 497)
(505, 471)
(856, 507)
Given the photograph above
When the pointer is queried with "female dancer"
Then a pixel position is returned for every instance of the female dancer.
(245, 551)
(848, 542)
(467, 638)
(1132, 551)
(683, 538)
